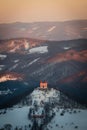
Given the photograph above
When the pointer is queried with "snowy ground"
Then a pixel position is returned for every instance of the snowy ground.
(15, 117)
(19, 117)
(69, 121)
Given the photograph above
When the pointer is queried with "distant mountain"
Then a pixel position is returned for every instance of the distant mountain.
(58, 31)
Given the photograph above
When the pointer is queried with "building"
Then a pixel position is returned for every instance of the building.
(43, 85)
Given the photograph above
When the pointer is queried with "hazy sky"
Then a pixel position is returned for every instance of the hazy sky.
(42, 10)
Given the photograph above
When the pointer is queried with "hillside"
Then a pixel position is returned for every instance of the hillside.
(25, 62)
(43, 108)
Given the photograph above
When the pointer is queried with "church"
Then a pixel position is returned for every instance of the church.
(43, 85)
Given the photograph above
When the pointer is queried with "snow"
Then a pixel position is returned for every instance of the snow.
(1, 67)
(51, 29)
(30, 63)
(15, 61)
(39, 111)
(3, 56)
(39, 95)
(67, 48)
(13, 67)
(69, 121)
(5, 92)
(41, 49)
(15, 117)
(26, 83)
(34, 61)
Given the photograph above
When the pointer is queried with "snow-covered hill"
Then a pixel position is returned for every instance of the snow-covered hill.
(45, 110)
(44, 96)
(71, 120)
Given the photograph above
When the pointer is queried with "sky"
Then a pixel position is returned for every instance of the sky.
(42, 10)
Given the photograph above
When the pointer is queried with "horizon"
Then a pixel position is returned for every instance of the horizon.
(42, 10)
(70, 20)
